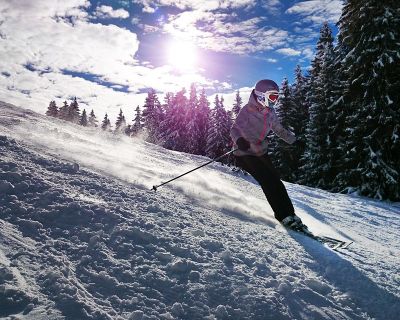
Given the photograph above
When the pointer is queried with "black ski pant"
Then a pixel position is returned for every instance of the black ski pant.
(262, 169)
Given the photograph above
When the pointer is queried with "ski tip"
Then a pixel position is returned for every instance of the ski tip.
(347, 244)
(337, 246)
(342, 245)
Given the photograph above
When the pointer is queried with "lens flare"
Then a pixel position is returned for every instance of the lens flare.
(182, 55)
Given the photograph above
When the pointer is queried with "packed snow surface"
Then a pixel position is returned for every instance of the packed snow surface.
(83, 236)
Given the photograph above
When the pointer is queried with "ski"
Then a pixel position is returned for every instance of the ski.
(332, 243)
(340, 244)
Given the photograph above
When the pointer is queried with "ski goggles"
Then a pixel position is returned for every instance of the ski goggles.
(268, 96)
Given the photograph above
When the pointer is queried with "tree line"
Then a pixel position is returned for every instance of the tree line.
(181, 123)
(71, 112)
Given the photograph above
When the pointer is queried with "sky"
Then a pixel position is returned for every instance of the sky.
(108, 53)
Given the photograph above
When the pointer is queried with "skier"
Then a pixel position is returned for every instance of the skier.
(249, 134)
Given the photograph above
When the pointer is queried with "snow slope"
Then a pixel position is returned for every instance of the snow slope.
(82, 236)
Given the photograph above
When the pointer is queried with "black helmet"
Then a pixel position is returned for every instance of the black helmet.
(267, 92)
(266, 85)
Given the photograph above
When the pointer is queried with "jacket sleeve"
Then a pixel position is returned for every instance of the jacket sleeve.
(239, 127)
(280, 131)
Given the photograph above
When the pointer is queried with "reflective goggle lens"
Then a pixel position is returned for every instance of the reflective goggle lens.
(273, 97)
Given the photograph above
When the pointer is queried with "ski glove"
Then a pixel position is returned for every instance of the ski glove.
(243, 144)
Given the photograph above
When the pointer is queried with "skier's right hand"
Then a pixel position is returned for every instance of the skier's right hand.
(243, 144)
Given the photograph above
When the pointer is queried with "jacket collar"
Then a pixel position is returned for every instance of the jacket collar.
(254, 105)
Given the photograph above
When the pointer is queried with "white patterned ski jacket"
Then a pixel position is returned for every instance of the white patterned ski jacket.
(254, 123)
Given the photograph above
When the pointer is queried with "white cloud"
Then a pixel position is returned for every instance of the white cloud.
(225, 32)
(271, 60)
(318, 11)
(308, 53)
(135, 20)
(150, 6)
(38, 35)
(31, 90)
(83, 47)
(272, 6)
(108, 12)
(289, 52)
(44, 8)
(229, 97)
(149, 29)
(57, 44)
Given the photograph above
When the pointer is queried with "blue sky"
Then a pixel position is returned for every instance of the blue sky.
(109, 52)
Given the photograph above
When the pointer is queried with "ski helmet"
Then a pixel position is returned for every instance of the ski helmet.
(267, 92)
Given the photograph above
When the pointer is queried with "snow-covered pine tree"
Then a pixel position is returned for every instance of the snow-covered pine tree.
(229, 121)
(63, 113)
(370, 33)
(137, 123)
(299, 92)
(83, 120)
(164, 126)
(73, 112)
(166, 109)
(106, 124)
(218, 138)
(92, 121)
(230, 159)
(284, 153)
(152, 116)
(174, 126)
(237, 104)
(316, 160)
(120, 124)
(52, 110)
(336, 115)
(192, 127)
(199, 132)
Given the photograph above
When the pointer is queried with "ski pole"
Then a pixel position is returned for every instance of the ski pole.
(203, 165)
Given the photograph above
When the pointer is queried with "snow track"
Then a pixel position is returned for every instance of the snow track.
(93, 242)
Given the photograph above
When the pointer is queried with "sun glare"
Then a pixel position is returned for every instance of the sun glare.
(182, 55)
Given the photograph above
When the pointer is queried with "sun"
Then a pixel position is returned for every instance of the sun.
(182, 55)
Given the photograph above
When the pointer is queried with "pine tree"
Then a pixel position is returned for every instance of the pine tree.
(152, 116)
(73, 112)
(199, 126)
(137, 123)
(83, 120)
(230, 159)
(285, 153)
(63, 113)
(106, 124)
(192, 120)
(336, 126)
(164, 124)
(370, 33)
(317, 165)
(174, 134)
(52, 110)
(92, 122)
(237, 105)
(299, 92)
(218, 138)
(120, 124)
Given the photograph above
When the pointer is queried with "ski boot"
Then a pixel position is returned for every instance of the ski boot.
(295, 223)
